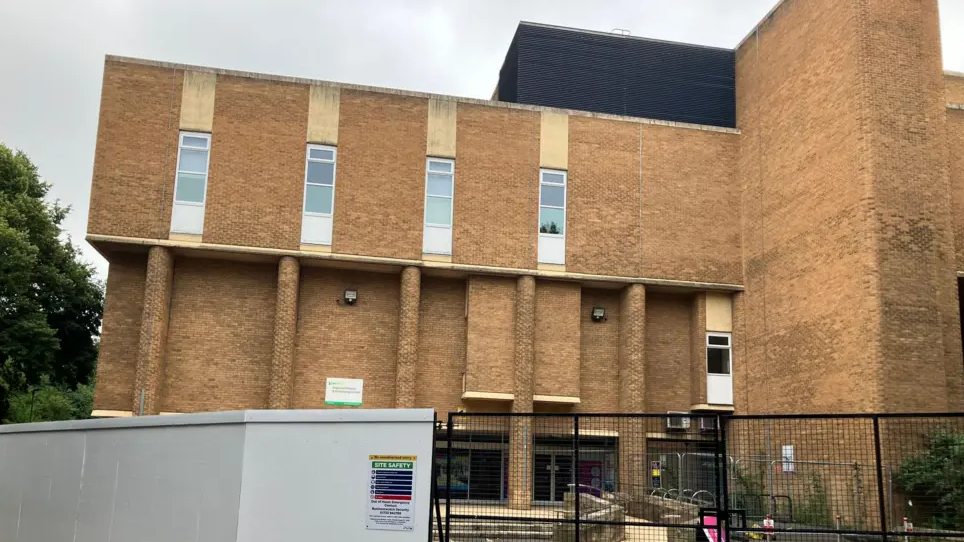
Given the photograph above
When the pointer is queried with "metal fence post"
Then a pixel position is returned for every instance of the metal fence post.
(575, 452)
(724, 483)
(880, 479)
(448, 481)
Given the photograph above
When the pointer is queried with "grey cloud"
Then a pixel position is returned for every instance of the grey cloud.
(53, 53)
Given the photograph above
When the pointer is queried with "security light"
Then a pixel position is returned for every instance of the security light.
(598, 314)
(351, 296)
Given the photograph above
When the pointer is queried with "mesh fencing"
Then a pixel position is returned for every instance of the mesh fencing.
(668, 477)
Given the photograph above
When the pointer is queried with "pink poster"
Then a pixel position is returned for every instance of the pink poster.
(709, 529)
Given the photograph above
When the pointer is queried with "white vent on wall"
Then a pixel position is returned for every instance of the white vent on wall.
(680, 422)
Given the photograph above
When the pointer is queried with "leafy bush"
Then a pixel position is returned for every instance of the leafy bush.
(49, 403)
(934, 481)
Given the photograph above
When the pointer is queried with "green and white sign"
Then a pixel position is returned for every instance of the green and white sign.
(343, 391)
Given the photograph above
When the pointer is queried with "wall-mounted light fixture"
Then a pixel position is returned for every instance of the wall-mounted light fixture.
(350, 296)
(598, 314)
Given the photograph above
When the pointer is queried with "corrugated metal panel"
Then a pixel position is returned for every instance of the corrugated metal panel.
(558, 67)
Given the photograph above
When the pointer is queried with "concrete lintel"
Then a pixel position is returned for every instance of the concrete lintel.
(487, 396)
(703, 407)
(111, 414)
(558, 399)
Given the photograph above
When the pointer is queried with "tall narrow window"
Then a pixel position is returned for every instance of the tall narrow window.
(552, 216)
(319, 195)
(719, 369)
(439, 193)
(190, 183)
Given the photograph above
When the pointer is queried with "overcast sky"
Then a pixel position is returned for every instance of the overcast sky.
(52, 53)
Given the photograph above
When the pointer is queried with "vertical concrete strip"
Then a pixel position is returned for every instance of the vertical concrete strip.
(554, 141)
(285, 330)
(633, 473)
(699, 321)
(197, 101)
(407, 357)
(520, 440)
(153, 335)
(323, 112)
(719, 312)
(442, 115)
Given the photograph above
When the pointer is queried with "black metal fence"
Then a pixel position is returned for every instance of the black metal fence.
(670, 477)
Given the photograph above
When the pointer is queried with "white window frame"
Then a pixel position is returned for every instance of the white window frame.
(565, 200)
(334, 177)
(207, 165)
(728, 347)
(451, 198)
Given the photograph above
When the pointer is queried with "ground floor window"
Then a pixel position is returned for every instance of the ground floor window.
(479, 468)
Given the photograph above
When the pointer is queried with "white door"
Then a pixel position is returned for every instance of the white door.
(719, 369)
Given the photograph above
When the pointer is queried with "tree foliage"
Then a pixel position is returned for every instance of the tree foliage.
(50, 304)
(48, 403)
(934, 481)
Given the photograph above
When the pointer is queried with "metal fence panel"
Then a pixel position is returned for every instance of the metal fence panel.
(666, 478)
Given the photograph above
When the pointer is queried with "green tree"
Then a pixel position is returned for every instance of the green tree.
(48, 403)
(50, 304)
(934, 481)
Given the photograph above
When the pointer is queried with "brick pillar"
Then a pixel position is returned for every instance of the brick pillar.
(153, 336)
(633, 469)
(698, 349)
(285, 329)
(406, 363)
(520, 440)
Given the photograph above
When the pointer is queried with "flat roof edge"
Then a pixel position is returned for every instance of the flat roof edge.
(415, 94)
(239, 417)
(623, 36)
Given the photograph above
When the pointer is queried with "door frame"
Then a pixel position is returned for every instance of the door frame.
(552, 480)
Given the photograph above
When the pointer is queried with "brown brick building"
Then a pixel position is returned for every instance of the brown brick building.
(516, 257)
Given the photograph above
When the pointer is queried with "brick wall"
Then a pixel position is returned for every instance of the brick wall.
(380, 184)
(490, 339)
(599, 352)
(667, 352)
(220, 337)
(920, 338)
(690, 205)
(557, 343)
(603, 197)
(954, 85)
(496, 187)
(133, 182)
(257, 164)
(650, 200)
(117, 358)
(811, 306)
(441, 344)
(341, 341)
